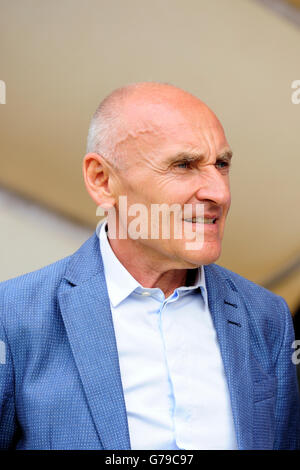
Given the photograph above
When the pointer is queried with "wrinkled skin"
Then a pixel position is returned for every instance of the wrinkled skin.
(176, 152)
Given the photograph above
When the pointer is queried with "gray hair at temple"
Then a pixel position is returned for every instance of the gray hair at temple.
(104, 130)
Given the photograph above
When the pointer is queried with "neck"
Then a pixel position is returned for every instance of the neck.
(147, 271)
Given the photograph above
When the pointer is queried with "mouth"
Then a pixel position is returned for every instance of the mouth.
(202, 220)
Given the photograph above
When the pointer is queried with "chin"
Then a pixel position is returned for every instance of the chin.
(207, 255)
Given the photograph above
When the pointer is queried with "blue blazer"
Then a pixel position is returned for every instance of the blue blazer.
(60, 383)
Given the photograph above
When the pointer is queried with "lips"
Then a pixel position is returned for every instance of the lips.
(201, 220)
(205, 218)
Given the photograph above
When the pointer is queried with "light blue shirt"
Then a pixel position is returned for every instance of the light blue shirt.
(175, 389)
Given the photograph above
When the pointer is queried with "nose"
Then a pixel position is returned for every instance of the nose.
(213, 186)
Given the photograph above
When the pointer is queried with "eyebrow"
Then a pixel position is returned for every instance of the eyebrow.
(194, 157)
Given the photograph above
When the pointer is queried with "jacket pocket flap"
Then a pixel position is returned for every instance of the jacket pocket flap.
(264, 389)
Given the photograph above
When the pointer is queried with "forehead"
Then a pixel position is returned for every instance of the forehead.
(162, 128)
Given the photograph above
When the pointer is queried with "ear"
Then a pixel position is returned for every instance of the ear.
(96, 175)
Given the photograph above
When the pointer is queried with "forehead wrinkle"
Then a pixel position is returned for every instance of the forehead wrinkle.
(211, 141)
(191, 156)
(212, 135)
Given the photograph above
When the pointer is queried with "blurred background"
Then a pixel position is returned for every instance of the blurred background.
(60, 58)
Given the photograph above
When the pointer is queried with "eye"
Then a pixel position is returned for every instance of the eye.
(223, 165)
(183, 164)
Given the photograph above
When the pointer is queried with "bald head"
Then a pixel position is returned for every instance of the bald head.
(141, 111)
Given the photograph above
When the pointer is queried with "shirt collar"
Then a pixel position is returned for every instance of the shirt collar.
(120, 283)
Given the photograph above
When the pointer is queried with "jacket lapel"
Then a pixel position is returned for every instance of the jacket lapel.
(231, 323)
(86, 313)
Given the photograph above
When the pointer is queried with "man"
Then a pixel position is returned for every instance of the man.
(139, 341)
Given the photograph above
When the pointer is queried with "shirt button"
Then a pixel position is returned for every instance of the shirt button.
(146, 293)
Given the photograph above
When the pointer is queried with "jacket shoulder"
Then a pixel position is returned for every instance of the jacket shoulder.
(19, 294)
(33, 296)
(50, 273)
